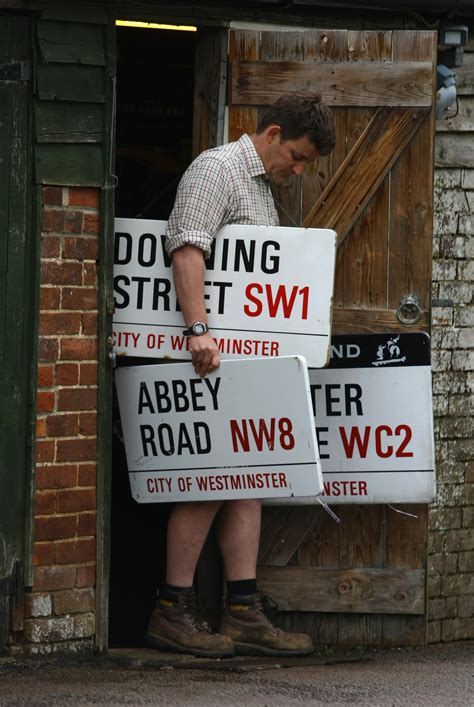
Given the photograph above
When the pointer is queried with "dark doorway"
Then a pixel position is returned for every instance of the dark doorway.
(155, 78)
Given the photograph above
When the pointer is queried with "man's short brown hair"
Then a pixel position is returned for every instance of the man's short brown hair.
(302, 113)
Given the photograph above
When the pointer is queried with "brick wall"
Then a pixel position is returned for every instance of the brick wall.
(451, 519)
(59, 611)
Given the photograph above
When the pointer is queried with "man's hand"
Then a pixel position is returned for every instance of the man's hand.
(205, 354)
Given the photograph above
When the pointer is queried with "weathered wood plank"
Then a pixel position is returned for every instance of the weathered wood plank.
(465, 75)
(68, 122)
(454, 150)
(364, 168)
(364, 83)
(210, 81)
(74, 83)
(283, 531)
(350, 320)
(355, 590)
(242, 45)
(70, 42)
(69, 165)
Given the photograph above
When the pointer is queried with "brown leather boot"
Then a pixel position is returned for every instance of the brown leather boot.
(247, 622)
(178, 627)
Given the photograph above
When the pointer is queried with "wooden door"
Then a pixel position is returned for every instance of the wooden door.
(349, 583)
(16, 319)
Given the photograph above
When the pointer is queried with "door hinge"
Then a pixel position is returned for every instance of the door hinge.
(14, 584)
(17, 71)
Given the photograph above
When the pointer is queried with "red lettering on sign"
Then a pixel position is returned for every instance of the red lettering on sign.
(261, 432)
(383, 434)
(283, 298)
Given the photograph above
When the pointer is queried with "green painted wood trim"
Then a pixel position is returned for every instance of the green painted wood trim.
(105, 382)
(69, 165)
(75, 13)
(33, 322)
(69, 82)
(73, 43)
(57, 121)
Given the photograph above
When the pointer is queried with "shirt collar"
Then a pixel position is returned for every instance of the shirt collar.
(250, 157)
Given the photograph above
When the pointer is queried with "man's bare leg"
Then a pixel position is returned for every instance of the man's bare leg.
(238, 535)
(188, 528)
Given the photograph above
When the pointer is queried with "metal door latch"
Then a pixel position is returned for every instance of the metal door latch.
(409, 310)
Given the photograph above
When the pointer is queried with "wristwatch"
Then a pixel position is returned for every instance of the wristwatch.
(196, 329)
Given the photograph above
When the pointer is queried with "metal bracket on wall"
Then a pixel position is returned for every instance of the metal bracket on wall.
(409, 310)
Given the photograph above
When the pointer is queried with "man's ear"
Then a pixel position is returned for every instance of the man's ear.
(273, 132)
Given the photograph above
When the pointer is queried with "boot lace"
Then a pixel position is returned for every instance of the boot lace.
(194, 612)
(267, 606)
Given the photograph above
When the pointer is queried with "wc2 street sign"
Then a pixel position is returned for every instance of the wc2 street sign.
(244, 431)
(268, 292)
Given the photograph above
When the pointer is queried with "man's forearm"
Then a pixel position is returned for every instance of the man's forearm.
(188, 274)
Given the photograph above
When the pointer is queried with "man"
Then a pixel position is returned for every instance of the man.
(229, 184)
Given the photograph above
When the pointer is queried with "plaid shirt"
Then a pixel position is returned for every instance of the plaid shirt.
(224, 185)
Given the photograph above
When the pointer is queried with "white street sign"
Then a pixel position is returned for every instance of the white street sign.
(374, 420)
(244, 431)
(268, 292)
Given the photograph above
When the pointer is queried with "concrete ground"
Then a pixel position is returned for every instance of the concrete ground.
(436, 675)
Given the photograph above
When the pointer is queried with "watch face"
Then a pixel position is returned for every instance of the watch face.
(199, 328)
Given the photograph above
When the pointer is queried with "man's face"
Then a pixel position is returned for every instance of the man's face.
(287, 158)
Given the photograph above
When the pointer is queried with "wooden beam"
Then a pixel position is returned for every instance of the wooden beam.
(362, 590)
(361, 83)
(351, 320)
(364, 168)
(283, 531)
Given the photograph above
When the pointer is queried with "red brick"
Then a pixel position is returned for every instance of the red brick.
(76, 450)
(73, 221)
(88, 374)
(50, 298)
(87, 524)
(91, 223)
(81, 248)
(45, 503)
(67, 374)
(90, 273)
(45, 376)
(41, 427)
(65, 272)
(56, 527)
(56, 476)
(80, 349)
(87, 475)
(44, 451)
(90, 324)
(50, 246)
(54, 578)
(85, 576)
(76, 601)
(74, 552)
(76, 399)
(84, 196)
(76, 500)
(53, 220)
(45, 401)
(62, 425)
(44, 554)
(80, 298)
(60, 323)
(88, 424)
(52, 196)
(48, 349)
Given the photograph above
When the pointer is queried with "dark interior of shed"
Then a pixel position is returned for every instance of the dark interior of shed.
(155, 75)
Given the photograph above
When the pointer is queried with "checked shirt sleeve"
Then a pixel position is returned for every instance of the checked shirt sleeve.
(203, 204)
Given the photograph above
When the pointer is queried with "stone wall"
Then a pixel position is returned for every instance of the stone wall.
(451, 518)
(59, 610)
